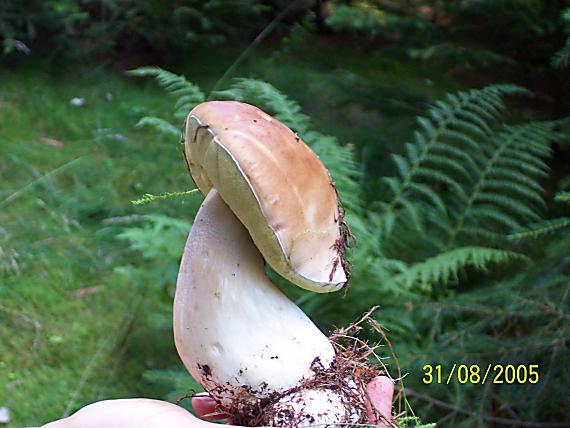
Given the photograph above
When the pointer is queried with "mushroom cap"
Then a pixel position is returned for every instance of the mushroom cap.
(276, 186)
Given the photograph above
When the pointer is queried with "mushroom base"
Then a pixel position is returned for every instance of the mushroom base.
(334, 395)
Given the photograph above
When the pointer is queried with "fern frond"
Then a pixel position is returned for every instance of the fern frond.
(454, 167)
(268, 98)
(413, 216)
(148, 197)
(432, 197)
(159, 238)
(447, 149)
(160, 125)
(469, 162)
(188, 94)
(385, 269)
(535, 230)
(488, 214)
(383, 225)
(445, 267)
(506, 204)
(507, 188)
(482, 232)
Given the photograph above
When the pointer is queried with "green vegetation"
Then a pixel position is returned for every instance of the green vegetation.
(67, 180)
(455, 184)
(68, 228)
(107, 27)
(426, 245)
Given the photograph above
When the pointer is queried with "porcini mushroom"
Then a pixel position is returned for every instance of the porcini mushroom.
(268, 196)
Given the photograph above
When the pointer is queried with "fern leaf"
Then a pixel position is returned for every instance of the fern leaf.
(413, 214)
(445, 267)
(188, 94)
(505, 189)
(407, 421)
(526, 167)
(486, 213)
(469, 162)
(443, 162)
(412, 152)
(401, 164)
(430, 195)
(438, 176)
(268, 98)
(148, 197)
(392, 183)
(515, 176)
(160, 237)
(457, 126)
(520, 189)
(462, 138)
(535, 230)
(161, 126)
(469, 127)
(523, 155)
(382, 225)
(481, 232)
(506, 203)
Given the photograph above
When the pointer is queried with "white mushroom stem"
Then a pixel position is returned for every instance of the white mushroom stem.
(236, 333)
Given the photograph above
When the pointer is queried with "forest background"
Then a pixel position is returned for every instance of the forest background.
(444, 124)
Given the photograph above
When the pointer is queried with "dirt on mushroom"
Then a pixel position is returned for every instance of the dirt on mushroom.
(270, 365)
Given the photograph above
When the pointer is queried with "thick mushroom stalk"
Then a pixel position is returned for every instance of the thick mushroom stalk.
(236, 333)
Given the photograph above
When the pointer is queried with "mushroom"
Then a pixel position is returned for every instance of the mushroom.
(268, 196)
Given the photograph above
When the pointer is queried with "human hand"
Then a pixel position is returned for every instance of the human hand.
(146, 413)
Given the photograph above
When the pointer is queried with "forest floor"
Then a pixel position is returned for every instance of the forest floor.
(75, 312)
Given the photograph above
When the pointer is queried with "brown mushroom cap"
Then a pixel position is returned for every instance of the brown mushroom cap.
(276, 186)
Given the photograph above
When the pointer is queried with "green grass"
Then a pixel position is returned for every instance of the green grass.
(59, 351)
(62, 209)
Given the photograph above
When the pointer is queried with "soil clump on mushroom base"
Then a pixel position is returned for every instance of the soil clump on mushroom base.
(347, 378)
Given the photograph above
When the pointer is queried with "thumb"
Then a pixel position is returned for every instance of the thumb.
(206, 407)
(380, 391)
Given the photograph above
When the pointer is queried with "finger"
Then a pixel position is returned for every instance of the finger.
(131, 413)
(380, 392)
(207, 408)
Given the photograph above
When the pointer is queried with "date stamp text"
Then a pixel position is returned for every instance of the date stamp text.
(475, 374)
